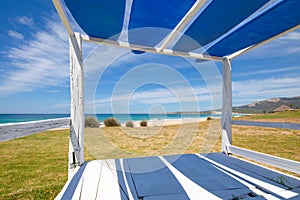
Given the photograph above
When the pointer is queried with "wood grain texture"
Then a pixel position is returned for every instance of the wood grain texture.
(282, 163)
(17, 130)
(76, 148)
(226, 105)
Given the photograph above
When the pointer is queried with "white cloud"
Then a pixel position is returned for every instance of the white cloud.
(245, 92)
(15, 34)
(25, 20)
(37, 63)
(267, 71)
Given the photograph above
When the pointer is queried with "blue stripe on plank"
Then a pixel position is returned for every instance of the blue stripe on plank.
(123, 188)
(267, 124)
(152, 178)
(68, 194)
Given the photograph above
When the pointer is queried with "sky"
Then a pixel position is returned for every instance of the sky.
(34, 71)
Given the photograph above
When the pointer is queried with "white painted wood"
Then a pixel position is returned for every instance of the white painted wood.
(91, 179)
(148, 49)
(226, 105)
(76, 149)
(63, 16)
(183, 23)
(109, 187)
(191, 188)
(16, 130)
(282, 163)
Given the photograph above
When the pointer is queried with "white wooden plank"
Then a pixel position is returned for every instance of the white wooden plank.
(183, 23)
(63, 16)
(149, 49)
(76, 148)
(226, 105)
(16, 130)
(109, 187)
(91, 179)
(282, 163)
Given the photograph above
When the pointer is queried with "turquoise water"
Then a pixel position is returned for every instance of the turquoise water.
(13, 118)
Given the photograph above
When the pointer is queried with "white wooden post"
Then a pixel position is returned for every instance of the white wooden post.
(226, 106)
(76, 147)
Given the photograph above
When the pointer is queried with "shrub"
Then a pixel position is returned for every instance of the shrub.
(111, 122)
(143, 123)
(91, 122)
(208, 118)
(130, 124)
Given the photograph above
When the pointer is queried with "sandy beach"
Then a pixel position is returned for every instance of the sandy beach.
(168, 122)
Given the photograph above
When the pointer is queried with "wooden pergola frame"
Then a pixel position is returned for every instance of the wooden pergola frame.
(76, 149)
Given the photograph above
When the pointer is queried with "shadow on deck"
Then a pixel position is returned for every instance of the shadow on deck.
(189, 176)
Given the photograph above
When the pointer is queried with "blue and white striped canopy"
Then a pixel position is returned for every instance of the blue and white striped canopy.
(217, 28)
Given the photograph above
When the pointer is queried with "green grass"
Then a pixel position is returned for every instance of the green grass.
(34, 167)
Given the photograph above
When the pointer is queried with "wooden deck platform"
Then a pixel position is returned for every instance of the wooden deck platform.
(189, 176)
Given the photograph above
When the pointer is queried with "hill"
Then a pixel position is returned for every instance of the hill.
(269, 105)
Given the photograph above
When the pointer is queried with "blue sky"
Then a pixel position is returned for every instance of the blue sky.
(34, 71)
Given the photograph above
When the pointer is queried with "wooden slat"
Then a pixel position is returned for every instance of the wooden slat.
(76, 147)
(267, 124)
(226, 105)
(109, 187)
(91, 179)
(63, 16)
(16, 130)
(149, 49)
(290, 165)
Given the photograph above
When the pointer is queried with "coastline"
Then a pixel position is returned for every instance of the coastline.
(166, 122)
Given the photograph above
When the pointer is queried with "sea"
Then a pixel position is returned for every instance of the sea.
(122, 118)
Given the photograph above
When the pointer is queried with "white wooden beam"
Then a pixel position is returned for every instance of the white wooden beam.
(63, 16)
(16, 130)
(76, 149)
(149, 49)
(182, 24)
(226, 106)
(290, 165)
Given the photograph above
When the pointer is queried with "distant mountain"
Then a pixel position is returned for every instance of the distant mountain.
(269, 105)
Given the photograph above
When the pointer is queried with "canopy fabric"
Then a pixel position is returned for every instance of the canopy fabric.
(213, 27)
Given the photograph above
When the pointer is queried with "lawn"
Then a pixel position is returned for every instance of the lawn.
(35, 167)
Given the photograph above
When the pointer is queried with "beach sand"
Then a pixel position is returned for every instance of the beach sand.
(168, 122)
